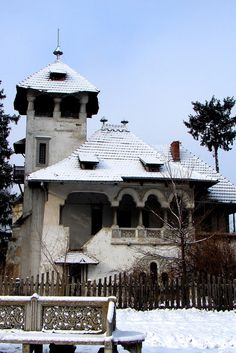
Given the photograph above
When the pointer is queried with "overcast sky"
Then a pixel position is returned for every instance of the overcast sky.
(149, 58)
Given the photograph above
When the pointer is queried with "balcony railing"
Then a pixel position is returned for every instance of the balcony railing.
(157, 236)
(142, 235)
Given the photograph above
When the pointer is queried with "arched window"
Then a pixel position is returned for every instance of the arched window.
(70, 107)
(153, 216)
(127, 215)
(44, 106)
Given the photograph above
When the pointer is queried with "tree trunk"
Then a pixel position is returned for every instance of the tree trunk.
(184, 271)
(216, 158)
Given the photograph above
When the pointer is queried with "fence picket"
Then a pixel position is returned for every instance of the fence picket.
(137, 291)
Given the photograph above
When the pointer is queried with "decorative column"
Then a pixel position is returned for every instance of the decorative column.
(30, 108)
(115, 228)
(165, 222)
(83, 102)
(165, 216)
(83, 115)
(140, 218)
(57, 108)
(140, 229)
(114, 223)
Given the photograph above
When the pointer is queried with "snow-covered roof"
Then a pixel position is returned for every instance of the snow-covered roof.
(73, 82)
(118, 152)
(222, 191)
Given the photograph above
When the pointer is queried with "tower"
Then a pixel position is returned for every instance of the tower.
(57, 102)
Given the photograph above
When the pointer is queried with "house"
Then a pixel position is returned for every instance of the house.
(95, 206)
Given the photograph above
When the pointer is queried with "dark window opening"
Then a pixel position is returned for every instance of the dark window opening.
(88, 165)
(164, 278)
(70, 107)
(153, 216)
(124, 218)
(44, 106)
(153, 271)
(57, 76)
(127, 213)
(42, 153)
(96, 219)
(78, 273)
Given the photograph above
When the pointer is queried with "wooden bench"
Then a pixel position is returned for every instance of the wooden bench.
(34, 321)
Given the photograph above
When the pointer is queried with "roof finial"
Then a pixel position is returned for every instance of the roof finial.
(58, 52)
(103, 121)
(124, 122)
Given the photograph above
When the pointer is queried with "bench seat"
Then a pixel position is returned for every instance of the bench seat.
(36, 337)
(35, 321)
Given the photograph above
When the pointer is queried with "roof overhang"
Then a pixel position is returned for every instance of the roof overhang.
(76, 257)
(19, 146)
(206, 183)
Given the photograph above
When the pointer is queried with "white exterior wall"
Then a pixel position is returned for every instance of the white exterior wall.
(65, 135)
(55, 238)
(117, 258)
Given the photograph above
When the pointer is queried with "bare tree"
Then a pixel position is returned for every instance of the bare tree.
(179, 222)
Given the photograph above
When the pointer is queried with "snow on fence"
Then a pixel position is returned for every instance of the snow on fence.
(140, 292)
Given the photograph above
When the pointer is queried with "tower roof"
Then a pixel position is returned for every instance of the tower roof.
(71, 81)
(55, 78)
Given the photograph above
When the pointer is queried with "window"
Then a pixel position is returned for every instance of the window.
(42, 151)
(153, 216)
(96, 219)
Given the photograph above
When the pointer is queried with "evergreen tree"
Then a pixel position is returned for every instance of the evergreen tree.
(213, 125)
(6, 176)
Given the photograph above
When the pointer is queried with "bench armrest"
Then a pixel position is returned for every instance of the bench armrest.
(111, 316)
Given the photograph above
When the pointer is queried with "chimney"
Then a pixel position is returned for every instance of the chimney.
(175, 151)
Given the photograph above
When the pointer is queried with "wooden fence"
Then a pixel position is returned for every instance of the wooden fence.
(138, 292)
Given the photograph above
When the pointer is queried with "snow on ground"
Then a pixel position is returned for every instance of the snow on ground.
(172, 331)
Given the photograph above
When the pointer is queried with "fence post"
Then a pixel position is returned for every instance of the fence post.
(17, 286)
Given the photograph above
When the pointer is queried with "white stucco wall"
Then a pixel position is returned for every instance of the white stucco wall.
(55, 237)
(116, 258)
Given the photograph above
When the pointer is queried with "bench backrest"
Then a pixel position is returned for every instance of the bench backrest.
(80, 314)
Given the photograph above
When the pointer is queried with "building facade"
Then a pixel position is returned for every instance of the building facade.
(100, 205)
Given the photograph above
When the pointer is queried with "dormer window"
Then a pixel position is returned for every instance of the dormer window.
(57, 75)
(151, 163)
(87, 160)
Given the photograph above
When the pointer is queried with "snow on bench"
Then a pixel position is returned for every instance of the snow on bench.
(37, 320)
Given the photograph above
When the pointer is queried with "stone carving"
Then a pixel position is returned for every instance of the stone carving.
(72, 318)
(115, 233)
(128, 233)
(153, 233)
(12, 317)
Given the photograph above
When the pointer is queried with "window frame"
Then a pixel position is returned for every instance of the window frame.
(42, 140)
